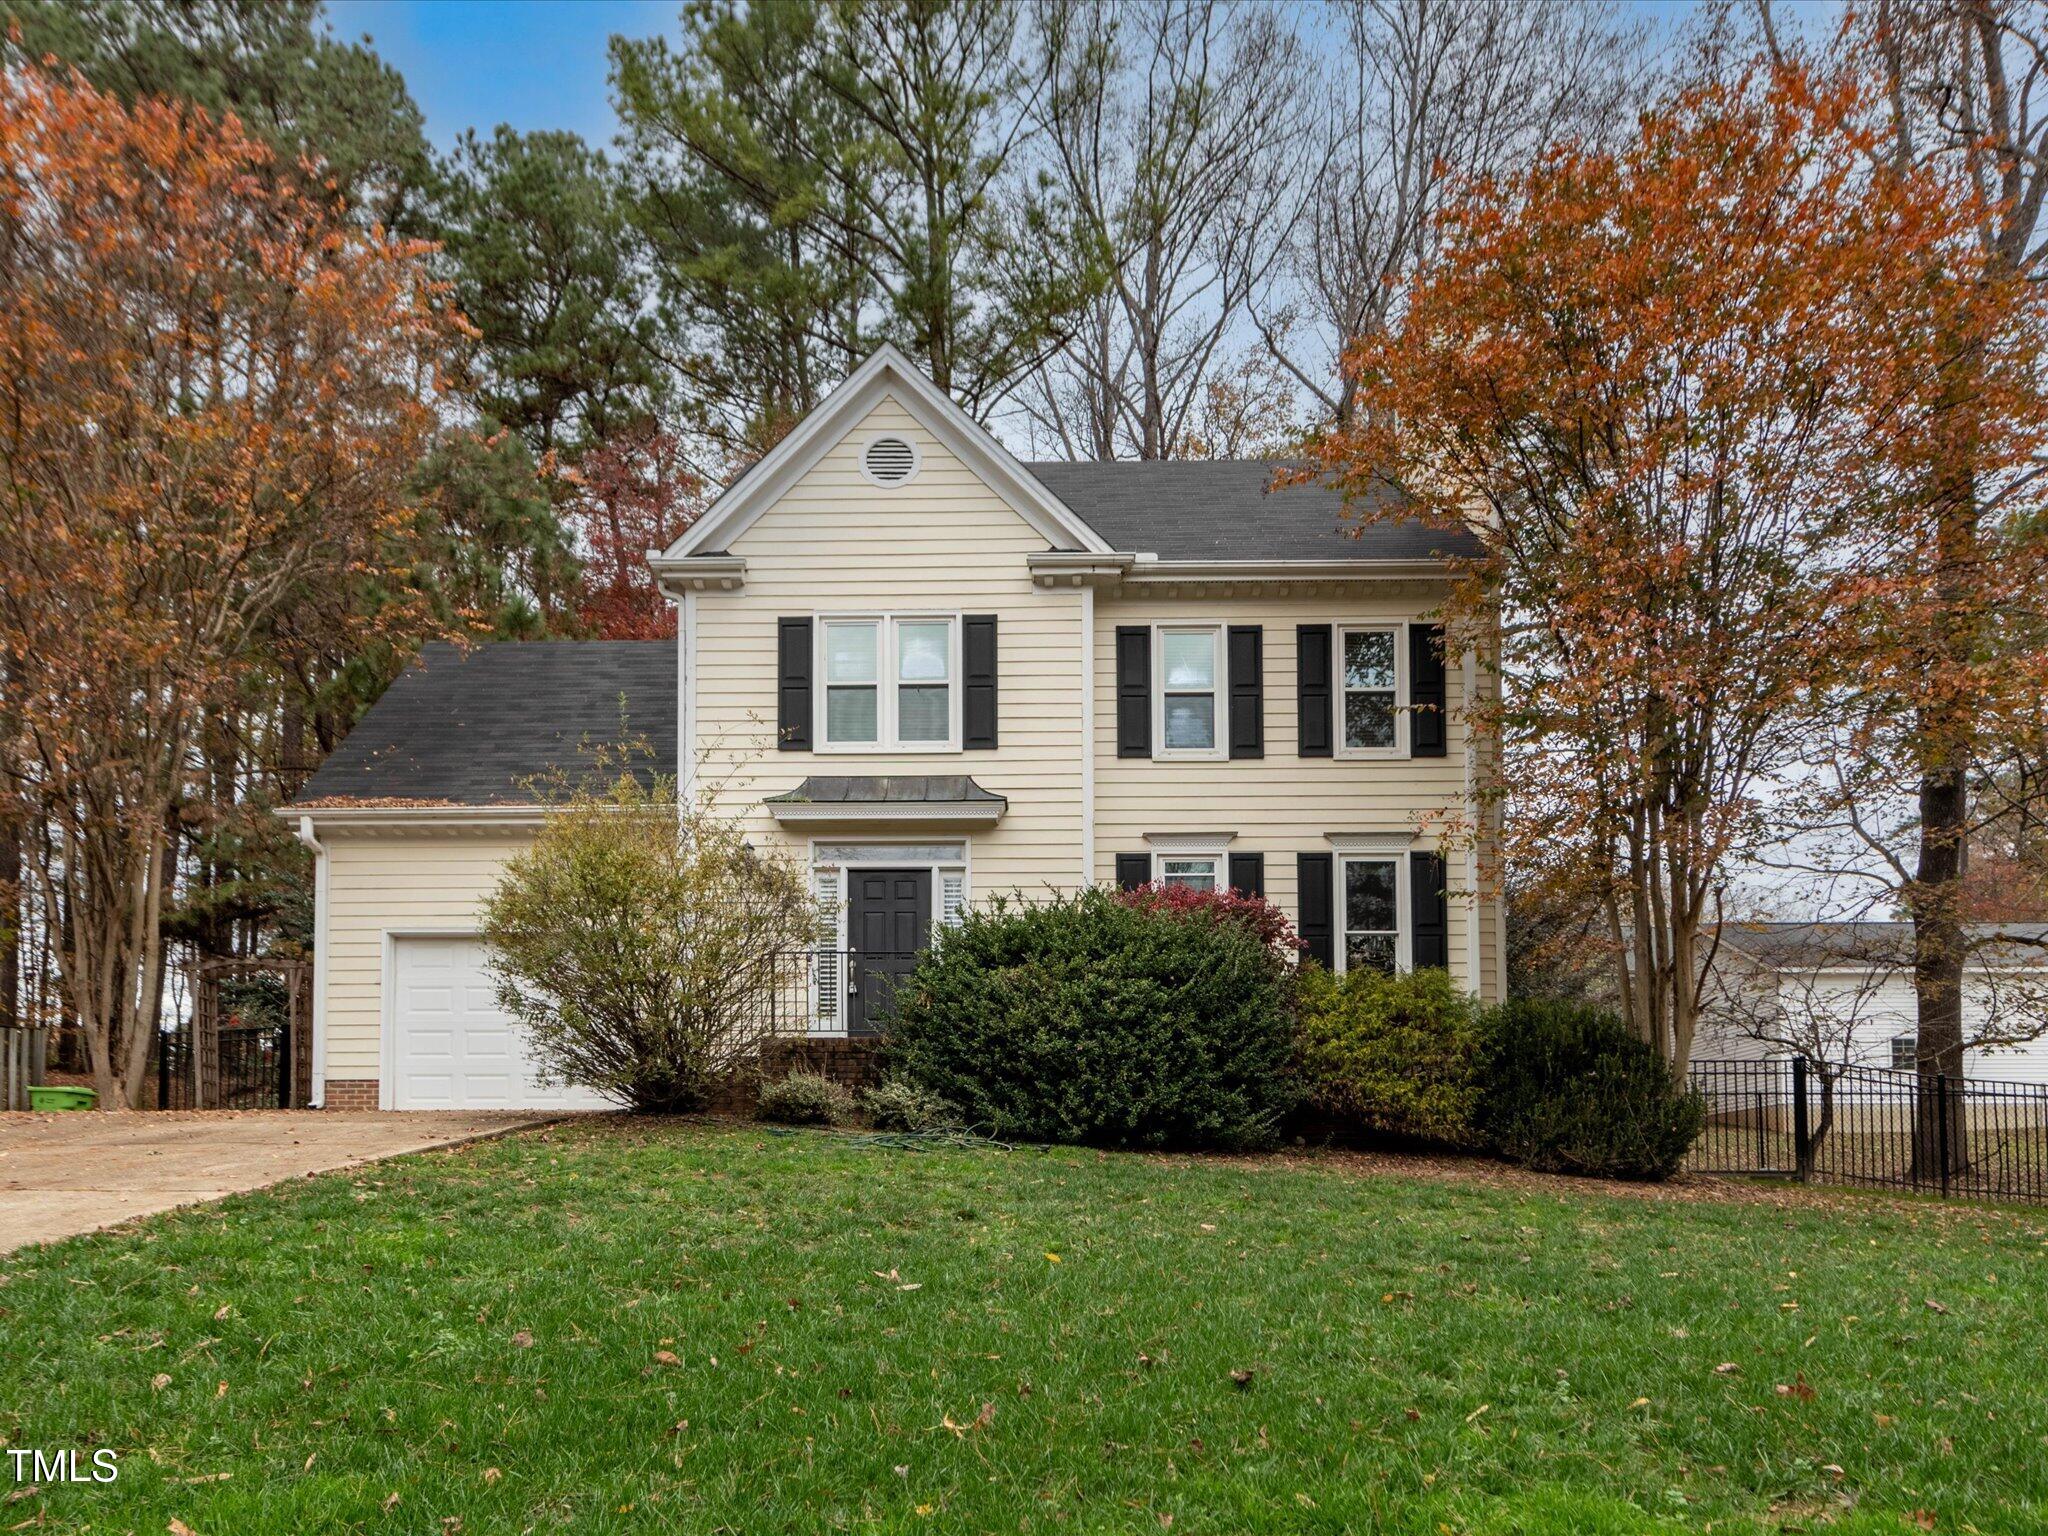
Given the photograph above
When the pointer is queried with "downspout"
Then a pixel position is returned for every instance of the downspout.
(318, 1097)
(1087, 736)
(1470, 682)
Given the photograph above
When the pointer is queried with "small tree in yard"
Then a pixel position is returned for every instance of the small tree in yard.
(636, 941)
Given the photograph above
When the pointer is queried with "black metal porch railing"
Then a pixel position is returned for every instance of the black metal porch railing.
(832, 991)
(1968, 1138)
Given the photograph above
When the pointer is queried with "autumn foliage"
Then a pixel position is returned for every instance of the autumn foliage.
(1686, 395)
(632, 494)
(212, 387)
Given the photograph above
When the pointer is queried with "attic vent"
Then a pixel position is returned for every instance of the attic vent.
(889, 460)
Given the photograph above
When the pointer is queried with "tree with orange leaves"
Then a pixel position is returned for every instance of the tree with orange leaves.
(1667, 386)
(212, 387)
(631, 494)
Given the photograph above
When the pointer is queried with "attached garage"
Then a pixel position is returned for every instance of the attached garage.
(452, 1046)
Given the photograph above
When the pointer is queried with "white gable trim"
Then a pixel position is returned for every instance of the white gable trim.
(886, 373)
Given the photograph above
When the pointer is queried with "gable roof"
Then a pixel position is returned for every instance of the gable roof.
(1834, 945)
(465, 728)
(887, 372)
(1228, 510)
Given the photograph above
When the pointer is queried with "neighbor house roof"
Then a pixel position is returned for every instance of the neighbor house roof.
(470, 728)
(1230, 510)
(1814, 946)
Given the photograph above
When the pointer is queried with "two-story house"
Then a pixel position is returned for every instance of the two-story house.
(935, 673)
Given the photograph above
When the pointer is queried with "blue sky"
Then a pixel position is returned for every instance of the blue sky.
(478, 63)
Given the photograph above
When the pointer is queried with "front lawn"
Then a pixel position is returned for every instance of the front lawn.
(634, 1327)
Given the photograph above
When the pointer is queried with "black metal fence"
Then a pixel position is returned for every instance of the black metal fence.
(1967, 1138)
(252, 1069)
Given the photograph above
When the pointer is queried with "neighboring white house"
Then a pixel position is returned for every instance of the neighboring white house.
(1843, 992)
(938, 675)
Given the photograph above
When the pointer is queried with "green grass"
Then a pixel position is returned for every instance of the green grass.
(874, 1339)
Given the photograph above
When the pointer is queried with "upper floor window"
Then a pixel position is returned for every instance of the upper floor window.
(1905, 1053)
(1372, 689)
(1186, 688)
(889, 683)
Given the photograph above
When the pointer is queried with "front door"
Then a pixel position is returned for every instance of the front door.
(889, 923)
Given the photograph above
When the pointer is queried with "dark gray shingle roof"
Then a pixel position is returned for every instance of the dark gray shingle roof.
(1883, 944)
(887, 789)
(1223, 510)
(466, 728)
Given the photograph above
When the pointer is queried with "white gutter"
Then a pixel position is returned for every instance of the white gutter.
(318, 1096)
(1148, 572)
(356, 817)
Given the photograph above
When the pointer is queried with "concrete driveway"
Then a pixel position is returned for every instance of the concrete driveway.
(70, 1173)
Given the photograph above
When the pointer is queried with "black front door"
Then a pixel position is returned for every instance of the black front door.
(889, 921)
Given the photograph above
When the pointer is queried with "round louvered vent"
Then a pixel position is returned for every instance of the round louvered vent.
(889, 460)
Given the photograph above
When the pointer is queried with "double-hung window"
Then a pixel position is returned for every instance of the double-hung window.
(1370, 897)
(1188, 665)
(1371, 707)
(1197, 874)
(1905, 1053)
(890, 683)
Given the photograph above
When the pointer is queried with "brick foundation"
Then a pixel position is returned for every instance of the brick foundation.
(351, 1093)
(856, 1063)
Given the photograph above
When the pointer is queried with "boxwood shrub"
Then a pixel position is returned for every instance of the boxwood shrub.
(1085, 1019)
(1389, 1055)
(1571, 1089)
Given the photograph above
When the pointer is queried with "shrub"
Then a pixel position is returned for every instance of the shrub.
(1266, 922)
(1087, 1019)
(1570, 1089)
(898, 1104)
(803, 1098)
(634, 956)
(1390, 1054)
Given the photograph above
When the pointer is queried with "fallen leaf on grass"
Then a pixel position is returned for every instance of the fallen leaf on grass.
(178, 1527)
(1797, 1387)
(391, 1501)
(159, 1381)
(523, 1339)
(1935, 1306)
(1474, 1414)
(667, 1357)
(491, 1475)
(1641, 1402)
(1726, 1368)
(1921, 1519)
(1242, 1380)
(1051, 1257)
(981, 1420)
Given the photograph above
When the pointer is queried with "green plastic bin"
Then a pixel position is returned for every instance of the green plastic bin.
(61, 1096)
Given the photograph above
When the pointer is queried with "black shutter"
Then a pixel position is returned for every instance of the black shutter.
(1247, 691)
(1428, 730)
(978, 669)
(793, 688)
(1248, 874)
(1315, 881)
(1312, 689)
(1133, 870)
(1430, 942)
(1133, 690)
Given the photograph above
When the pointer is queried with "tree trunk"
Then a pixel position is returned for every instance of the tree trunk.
(1938, 950)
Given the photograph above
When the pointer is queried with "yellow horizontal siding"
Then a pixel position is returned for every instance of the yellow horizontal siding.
(944, 542)
(384, 881)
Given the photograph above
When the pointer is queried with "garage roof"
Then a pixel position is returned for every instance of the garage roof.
(472, 727)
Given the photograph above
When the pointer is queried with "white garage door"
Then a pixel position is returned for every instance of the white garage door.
(454, 1047)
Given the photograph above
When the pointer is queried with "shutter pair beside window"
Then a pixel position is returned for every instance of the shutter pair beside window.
(977, 683)
(1247, 872)
(1428, 918)
(1245, 655)
(1316, 693)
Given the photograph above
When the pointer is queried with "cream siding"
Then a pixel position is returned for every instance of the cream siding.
(393, 882)
(943, 543)
(1283, 804)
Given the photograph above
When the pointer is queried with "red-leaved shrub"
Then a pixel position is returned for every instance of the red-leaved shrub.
(1266, 922)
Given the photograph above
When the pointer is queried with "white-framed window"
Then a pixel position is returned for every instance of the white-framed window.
(890, 682)
(1370, 900)
(1187, 693)
(1905, 1053)
(1196, 872)
(1370, 672)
